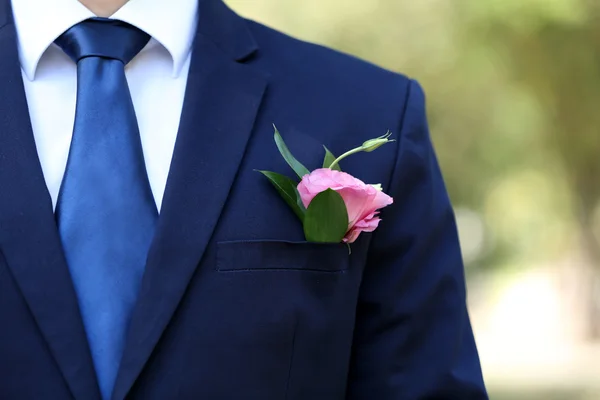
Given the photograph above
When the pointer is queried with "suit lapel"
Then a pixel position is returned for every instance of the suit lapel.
(28, 236)
(222, 99)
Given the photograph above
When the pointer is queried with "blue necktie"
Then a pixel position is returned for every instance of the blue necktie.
(106, 213)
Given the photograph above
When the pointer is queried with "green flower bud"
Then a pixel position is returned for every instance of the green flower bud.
(374, 144)
(367, 146)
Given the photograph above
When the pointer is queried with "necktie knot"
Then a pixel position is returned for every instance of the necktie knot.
(103, 37)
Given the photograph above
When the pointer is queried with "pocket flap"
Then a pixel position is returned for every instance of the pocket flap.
(276, 255)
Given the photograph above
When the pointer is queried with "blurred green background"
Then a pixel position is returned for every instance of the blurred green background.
(514, 107)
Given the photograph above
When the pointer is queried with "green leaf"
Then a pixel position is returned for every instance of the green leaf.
(287, 189)
(298, 168)
(300, 204)
(326, 218)
(329, 159)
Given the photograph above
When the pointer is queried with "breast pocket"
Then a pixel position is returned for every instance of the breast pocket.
(272, 255)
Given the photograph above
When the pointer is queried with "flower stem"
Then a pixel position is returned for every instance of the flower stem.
(346, 154)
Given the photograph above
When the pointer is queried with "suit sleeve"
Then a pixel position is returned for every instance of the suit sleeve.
(413, 339)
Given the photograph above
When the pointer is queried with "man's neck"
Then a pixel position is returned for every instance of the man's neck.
(103, 8)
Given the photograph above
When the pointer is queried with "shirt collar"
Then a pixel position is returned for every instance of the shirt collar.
(40, 22)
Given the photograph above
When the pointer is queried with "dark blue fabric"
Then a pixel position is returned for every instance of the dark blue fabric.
(106, 213)
(234, 304)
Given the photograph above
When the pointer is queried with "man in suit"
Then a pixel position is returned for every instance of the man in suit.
(141, 255)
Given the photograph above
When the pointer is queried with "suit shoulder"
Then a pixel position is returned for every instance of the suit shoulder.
(313, 65)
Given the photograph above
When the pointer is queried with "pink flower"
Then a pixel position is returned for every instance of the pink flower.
(362, 201)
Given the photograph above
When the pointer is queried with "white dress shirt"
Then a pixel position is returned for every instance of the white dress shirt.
(157, 78)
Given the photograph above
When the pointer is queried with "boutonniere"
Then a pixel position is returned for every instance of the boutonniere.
(333, 206)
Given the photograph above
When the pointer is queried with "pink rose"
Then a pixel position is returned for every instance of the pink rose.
(362, 201)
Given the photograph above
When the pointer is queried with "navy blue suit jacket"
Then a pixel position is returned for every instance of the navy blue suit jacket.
(234, 303)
